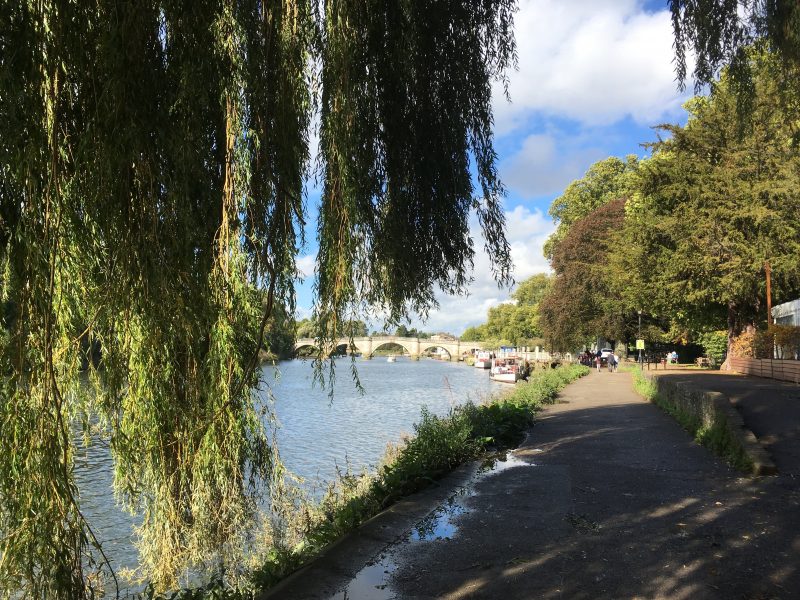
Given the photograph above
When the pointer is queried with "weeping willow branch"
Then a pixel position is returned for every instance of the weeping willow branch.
(152, 161)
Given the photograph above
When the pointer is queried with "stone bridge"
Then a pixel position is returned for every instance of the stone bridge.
(413, 345)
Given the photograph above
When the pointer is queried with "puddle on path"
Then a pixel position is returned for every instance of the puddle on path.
(439, 525)
(370, 583)
(502, 462)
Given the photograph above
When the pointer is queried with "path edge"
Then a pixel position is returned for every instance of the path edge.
(712, 410)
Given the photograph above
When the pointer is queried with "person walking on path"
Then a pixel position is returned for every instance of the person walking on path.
(611, 364)
(598, 361)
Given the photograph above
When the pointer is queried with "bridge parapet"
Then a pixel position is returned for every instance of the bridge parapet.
(413, 345)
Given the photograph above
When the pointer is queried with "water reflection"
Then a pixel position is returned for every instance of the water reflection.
(315, 435)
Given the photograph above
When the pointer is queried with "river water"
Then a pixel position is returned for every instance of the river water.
(316, 434)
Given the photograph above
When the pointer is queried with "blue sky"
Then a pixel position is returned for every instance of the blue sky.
(594, 76)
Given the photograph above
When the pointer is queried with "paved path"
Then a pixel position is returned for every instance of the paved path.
(607, 498)
(770, 409)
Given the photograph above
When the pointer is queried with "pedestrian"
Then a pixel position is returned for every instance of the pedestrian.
(615, 358)
(599, 362)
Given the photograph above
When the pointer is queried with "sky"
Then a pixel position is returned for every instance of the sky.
(594, 77)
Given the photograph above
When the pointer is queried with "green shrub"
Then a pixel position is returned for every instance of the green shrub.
(715, 345)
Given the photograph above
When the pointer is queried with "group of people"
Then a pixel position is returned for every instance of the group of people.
(589, 358)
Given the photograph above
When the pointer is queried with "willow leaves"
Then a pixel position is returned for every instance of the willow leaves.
(153, 156)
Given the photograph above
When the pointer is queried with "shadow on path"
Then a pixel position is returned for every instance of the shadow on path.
(618, 502)
(769, 408)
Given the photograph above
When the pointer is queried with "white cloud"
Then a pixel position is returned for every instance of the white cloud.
(305, 265)
(526, 231)
(595, 62)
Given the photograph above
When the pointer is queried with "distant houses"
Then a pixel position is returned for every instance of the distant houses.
(443, 337)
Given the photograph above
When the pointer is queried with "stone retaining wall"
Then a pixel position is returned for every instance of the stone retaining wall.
(785, 370)
(711, 410)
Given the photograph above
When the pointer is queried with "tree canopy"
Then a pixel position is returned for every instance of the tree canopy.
(581, 304)
(152, 160)
(716, 203)
(516, 322)
(717, 200)
(720, 32)
(606, 180)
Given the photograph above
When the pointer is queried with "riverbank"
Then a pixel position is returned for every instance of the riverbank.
(607, 497)
(317, 437)
(439, 445)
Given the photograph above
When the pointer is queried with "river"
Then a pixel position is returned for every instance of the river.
(316, 433)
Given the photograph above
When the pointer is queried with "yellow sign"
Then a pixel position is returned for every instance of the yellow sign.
(640, 344)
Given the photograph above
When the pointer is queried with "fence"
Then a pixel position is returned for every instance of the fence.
(785, 370)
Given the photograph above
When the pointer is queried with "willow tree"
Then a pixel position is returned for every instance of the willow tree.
(719, 32)
(152, 160)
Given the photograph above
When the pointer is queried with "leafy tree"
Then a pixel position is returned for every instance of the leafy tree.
(152, 158)
(714, 344)
(403, 331)
(306, 328)
(580, 304)
(517, 322)
(474, 333)
(279, 334)
(531, 291)
(513, 323)
(716, 203)
(606, 180)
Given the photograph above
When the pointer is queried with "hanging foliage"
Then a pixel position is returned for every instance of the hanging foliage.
(152, 160)
(406, 102)
(720, 34)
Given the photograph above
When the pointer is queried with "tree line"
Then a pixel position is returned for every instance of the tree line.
(686, 237)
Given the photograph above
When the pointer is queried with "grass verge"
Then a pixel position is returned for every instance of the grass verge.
(716, 438)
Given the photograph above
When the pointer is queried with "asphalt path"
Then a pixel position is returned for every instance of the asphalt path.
(607, 498)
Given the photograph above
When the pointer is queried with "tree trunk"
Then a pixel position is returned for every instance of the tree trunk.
(734, 329)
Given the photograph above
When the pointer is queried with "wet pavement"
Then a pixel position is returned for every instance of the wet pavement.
(607, 498)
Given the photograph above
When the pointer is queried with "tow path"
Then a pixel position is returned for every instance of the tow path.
(607, 498)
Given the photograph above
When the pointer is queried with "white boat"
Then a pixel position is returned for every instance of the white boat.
(391, 359)
(483, 360)
(506, 369)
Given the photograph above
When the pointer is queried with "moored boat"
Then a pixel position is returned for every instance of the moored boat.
(506, 369)
(483, 360)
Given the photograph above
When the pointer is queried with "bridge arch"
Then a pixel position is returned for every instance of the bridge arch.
(397, 342)
(299, 347)
(424, 347)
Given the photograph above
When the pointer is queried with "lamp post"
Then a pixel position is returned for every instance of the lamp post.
(641, 367)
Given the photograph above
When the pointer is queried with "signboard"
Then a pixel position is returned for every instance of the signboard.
(640, 344)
